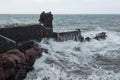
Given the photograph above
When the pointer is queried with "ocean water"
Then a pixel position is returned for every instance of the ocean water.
(71, 60)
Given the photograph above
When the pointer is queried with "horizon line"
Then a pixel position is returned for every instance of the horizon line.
(63, 13)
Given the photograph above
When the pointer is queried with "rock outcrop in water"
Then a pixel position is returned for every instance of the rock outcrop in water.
(88, 39)
(46, 20)
(100, 36)
(14, 64)
(17, 53)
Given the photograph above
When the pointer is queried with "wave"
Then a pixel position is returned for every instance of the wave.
(71, 60)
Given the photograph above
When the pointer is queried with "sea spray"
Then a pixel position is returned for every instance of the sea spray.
(91, 57)
(71, 60)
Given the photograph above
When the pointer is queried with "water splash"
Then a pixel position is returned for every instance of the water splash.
(71, 60)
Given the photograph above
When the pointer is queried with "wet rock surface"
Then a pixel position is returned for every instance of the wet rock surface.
(46, 19)
(100, 36)
(22, 33)
(14, 64)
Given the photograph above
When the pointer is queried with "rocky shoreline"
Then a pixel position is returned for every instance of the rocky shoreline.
(19, 47)
(16, 63)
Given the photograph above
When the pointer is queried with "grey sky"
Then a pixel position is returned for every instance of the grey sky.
(60, 6)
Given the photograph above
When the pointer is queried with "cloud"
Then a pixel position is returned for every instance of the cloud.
(60, 6)
(47, 1)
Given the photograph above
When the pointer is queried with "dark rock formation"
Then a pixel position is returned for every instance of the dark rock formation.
(100, 36)
(25, 45)
(6, 44)
(15, 64)
(88, 39)
(22, 33)
(46, 20)
(11, 62)
(30, 32)
(19, 51)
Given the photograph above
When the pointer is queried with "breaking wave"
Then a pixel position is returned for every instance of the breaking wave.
(71, 60)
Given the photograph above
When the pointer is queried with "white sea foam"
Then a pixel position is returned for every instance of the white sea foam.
(71, 60)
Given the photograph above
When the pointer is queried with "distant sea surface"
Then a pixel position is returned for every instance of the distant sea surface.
(84, 22)
(71, 60)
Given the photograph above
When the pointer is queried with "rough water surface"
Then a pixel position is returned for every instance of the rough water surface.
(71, 60)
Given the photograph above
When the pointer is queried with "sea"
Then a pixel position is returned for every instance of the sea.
(73, 60)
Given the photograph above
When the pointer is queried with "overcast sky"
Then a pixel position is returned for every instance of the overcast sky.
(60, 6)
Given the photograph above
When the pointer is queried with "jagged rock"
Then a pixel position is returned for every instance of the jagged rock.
(23, 33)
(46, 19)
(11, 62)
(25, 45)
(32, 54)
(15, 64)
(5, 45)
(100, 36)
(46, 22)
(88, 39)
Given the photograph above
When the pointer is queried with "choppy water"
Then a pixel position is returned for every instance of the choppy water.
(71, 60)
